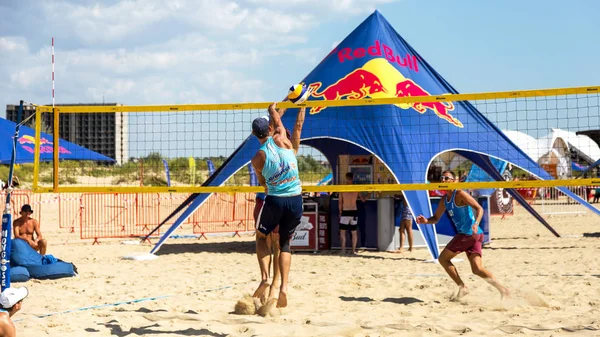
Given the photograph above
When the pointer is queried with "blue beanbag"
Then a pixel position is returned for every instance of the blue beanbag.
(49, 259)
(53, 271)
(19, 274)
(40, 267)
(22, 254)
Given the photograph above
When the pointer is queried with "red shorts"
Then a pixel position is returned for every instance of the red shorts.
(472, 244)
(259, 204)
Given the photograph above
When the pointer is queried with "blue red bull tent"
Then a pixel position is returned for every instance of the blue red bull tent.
(375, 61)
(26, 145)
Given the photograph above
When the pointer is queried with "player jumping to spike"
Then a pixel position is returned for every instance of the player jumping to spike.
(273, 237)
(276, 168)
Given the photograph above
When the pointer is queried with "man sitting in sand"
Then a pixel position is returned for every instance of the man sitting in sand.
(459, 206)
(25, 227)
(11, 300)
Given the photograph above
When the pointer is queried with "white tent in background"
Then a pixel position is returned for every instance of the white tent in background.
(585, 147)
(555, 148)
(528, 144)
(449, 160)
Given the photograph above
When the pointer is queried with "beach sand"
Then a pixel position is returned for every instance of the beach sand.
(192, 287)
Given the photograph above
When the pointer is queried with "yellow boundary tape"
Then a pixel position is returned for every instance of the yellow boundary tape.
(327, 188)
(323, 103)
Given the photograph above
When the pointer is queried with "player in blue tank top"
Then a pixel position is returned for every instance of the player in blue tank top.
(276, 168)
(459, 206)
(273, 237)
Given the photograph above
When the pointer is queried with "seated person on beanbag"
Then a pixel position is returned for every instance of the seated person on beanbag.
(25, 227)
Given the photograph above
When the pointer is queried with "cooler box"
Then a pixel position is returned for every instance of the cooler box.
(313, 232)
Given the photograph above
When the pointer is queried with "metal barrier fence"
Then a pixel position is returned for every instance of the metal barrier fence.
(18, 198)
(118, 215)
(168, 203)
(122, 215)
(224, 213)
(554, 202)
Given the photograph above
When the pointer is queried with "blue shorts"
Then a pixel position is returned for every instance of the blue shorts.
(285, 212)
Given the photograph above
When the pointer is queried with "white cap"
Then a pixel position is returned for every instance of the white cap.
(11, 296)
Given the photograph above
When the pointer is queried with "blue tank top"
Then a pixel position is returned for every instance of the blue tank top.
(462, 216)
(280, 170)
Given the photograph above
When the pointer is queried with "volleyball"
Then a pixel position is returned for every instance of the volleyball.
(298, 94)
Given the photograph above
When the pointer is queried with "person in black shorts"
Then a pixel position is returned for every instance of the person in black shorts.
(273, 237)
(349, 214)
(276, 168)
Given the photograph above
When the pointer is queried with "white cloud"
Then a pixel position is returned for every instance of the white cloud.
(339, 6)
(161, 52)
(12, 45)
(27, 77)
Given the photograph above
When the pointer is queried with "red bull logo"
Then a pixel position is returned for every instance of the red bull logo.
(408, 88)
(378, 78)
(381, 50)
(28, 142)
(357, 85)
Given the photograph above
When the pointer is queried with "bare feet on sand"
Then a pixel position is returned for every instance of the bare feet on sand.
(504, 293)
(260, 291)
(282, 300)
(401, 251)
(267, 308)
(272, 291)
(462, 292)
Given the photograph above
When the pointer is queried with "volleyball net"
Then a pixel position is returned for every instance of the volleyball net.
(533, 138)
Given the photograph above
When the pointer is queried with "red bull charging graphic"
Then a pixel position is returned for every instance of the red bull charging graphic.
(378, 78)
(46, 146)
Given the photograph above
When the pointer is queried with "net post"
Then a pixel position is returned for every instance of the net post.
(55, 152)
(36, 148)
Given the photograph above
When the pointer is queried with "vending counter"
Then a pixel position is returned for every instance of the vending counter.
(367, 224)
(313, 232)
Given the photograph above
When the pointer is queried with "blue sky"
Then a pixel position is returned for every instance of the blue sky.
(185, 51)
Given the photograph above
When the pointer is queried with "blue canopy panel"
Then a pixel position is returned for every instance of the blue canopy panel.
(26, 145)
(476, 174)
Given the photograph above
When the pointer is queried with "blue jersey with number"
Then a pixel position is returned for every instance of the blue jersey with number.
(280, 170)
(462, 216)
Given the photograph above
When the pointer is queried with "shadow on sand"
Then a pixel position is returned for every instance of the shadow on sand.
(117, 330)
(400, 300)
